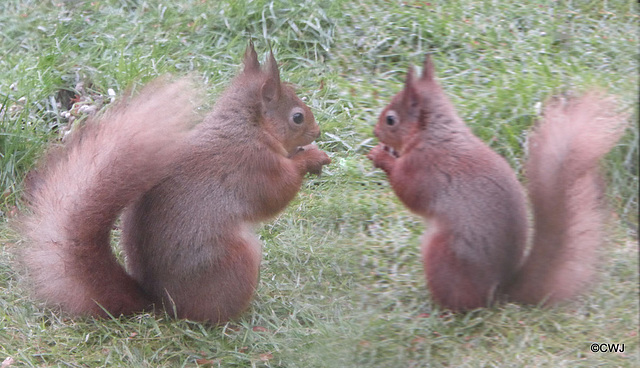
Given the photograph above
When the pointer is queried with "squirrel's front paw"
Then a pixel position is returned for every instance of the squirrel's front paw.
(375, 152)
(314, 158)
(379, 155)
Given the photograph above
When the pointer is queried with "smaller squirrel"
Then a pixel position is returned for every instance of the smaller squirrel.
(474, 250)
(190, 195)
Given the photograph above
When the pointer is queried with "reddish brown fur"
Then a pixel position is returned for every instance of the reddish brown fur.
(449, 287)
(192, 197)
(475, 248)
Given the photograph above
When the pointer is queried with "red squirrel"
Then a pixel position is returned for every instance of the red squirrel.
(189, 198)
(474, 252)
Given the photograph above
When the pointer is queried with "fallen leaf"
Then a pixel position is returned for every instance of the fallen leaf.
(259, 329)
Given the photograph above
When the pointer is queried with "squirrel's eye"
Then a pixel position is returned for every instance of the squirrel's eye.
(298, 118)
(391, 120)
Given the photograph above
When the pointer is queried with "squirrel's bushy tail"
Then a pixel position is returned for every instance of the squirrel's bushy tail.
(566, 193)
(79, 189)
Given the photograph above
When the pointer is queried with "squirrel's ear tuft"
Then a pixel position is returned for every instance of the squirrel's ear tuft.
(250, 61)
(428, 69)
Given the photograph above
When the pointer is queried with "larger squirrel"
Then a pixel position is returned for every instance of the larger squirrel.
(474, 252)
(190, 195)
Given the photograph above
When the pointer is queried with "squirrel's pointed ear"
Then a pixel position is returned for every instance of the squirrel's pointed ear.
(250, 61)
(272, 68)
(428, 69)
(271, 87)
(411, 78)
(410, 97)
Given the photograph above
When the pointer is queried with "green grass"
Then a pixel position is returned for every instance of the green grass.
(341, 281)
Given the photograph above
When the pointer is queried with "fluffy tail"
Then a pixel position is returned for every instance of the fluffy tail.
(80, 189)
(566, 193)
